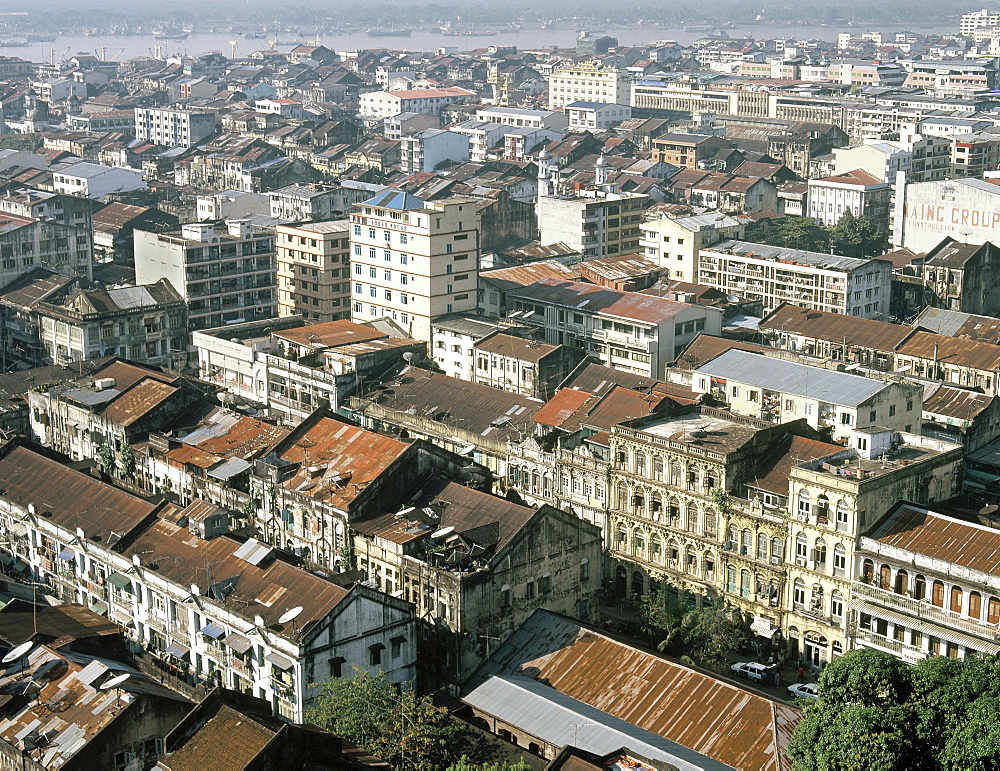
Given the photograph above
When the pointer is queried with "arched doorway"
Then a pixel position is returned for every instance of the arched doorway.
(621, 581)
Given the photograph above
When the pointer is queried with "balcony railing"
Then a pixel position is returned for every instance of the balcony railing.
(924, 610)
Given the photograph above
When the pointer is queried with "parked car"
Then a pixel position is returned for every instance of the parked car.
(803, 691)
(750, 669)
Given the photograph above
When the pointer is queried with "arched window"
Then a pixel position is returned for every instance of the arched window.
(622, 497)
(622, 458)
(799, 594)
(711, 481)
(937, 594)
(816, 600)
(656, 506)
(673, 511)
(885, 577)
(746, 542)
(902, 585)
(777, 549)
(693, 515)
(733, 536)
(731, 579)
(919, 587)
(975, 605)
(656, 549)
(658, 468)
(805, 505)
(868, 571)
(640, 463)
(801, 548)
(819, 554)
(638, 502)
(711, 524)
(822, 510)
(745, 583)
(993, 611)
(836, 604)
(956, 599)
(839, 560)
(843, 516)
(762, 546)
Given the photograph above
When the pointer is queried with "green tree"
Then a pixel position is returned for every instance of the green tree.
(106, 456)
(126, 460)
(858, 236)
(386, 720)
(874, 711)
(661, 621)
(710, 634)
(795, 233)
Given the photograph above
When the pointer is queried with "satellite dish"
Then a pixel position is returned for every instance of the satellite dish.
(115, 681)
(442, 532)
(290, 615)
(19, 652)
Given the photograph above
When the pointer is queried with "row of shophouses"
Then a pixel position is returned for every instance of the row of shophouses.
(702, 506)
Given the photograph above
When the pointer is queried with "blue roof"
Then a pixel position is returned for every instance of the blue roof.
(395, 199)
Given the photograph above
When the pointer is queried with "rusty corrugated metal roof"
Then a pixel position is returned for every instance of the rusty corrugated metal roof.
(746, 729)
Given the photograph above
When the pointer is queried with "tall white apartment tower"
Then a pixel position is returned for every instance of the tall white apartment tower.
(412, 260)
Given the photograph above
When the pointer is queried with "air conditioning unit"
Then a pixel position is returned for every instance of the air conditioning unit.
(775, 560)
(800, 561)
(729, 546)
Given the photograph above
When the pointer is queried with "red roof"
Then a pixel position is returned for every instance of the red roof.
(561, 406)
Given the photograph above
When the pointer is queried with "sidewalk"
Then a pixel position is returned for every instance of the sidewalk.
(788, 673)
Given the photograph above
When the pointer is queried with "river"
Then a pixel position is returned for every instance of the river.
(118, 47)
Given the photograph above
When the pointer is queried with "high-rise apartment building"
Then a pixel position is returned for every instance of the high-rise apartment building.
(412, 260)
(314, 270)
(173, 128)
(225, 277)
(588, 82)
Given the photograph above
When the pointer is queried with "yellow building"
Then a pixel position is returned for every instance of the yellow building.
(313, 270)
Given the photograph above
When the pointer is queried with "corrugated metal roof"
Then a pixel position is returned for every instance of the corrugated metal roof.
(791, 377)
(922, 531)
(733, 725)
(555, 718)
(951, 350)
(598, 299)
(835, 327)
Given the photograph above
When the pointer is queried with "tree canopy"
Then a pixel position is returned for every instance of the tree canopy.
(875, 711)
(386, 720)
(701, 636)
(851, 237)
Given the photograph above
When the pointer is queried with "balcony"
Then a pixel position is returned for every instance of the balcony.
(924, 610)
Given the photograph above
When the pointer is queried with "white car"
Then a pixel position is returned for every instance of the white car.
(750, 669)
(803, 691)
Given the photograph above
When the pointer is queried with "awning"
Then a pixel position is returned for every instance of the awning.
(98, 606)
(212, 630)
(67, 555)
(230, 468)
(763, 627)
(120, 581)
(930, 626)
(279, 661)
(177, 650)
(238, 642)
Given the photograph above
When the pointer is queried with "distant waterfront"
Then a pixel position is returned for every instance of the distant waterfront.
(419, 40)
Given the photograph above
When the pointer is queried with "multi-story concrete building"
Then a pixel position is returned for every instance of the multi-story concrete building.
(314, 266)
(596, 222)
(526, 367)
(833, 500)
(675, 243)
(414, 261)
(520, 117)
(225, 277)
(147, 324)
(249, 621)
(309, 203)
(595, 115)
(919, 158)
(775, 274)
(589, 81)
(171, 127)
(625, 330)
(95, 181)
(289, 369)
(970, 22)
(974, 154)
(962, 277)
(424, 150)
(919, 589)
(386, 104)
(687, 151)
(778, 391)
(855, 191)
(37, 243)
